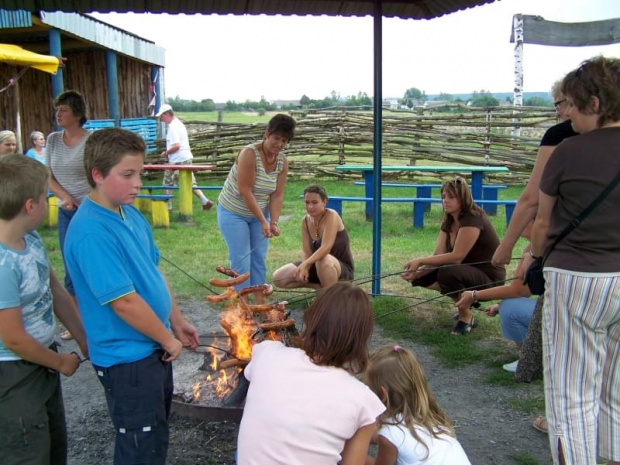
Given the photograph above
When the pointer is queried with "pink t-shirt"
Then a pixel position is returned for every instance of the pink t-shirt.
(297, 412)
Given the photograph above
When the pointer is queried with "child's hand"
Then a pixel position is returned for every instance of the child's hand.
(172, 350)
(187, 334)
(69, 363)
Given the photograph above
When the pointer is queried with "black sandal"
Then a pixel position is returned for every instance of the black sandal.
(461, 328)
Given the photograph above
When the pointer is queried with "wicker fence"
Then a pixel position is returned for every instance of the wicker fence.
(323, 139)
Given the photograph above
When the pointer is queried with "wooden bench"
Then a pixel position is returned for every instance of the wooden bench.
(157, 205)
(419, 205)
(489, 192)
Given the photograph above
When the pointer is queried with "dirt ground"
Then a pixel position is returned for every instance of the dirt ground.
(489, 428)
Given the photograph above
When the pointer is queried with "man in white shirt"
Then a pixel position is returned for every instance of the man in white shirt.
(177, 152)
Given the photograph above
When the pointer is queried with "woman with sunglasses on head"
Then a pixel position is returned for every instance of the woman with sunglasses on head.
(581, 313)
(326, 250)
(466, 239)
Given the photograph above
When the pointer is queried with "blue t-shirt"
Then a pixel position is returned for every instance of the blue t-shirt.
(25, 278)
(32, 154)
(109, 256)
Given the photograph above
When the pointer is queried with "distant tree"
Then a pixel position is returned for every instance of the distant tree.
(538, 102)
(231, 105)
(412, 94)
(444, 96)
(304, 100)
(207, 104)
(484, 98)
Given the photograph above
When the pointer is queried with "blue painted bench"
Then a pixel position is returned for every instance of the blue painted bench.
(419, 205)
(489, 192)
(157, 205)
(144, 127)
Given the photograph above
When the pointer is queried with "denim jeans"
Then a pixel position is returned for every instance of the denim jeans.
(64, 218)
(139, 397)
(515, 315)
(247, 246)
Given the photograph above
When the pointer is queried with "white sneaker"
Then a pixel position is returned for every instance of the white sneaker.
(511, 367)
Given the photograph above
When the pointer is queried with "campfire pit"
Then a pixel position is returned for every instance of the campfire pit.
(209, 383)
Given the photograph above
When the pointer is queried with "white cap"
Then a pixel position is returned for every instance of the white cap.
(163, 109)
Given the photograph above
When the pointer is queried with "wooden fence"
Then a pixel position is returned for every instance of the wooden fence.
(323, 139)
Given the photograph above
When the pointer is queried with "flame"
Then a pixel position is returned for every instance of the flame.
(238, 322)
(196, 389)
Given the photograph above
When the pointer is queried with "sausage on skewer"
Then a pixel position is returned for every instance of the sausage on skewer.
(227, 271)
(266, 289)
(230, 292)
(229, 282)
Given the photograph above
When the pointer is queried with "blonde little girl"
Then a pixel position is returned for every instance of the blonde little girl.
(413, 430)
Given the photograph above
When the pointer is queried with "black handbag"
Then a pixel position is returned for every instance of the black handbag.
(534, 278)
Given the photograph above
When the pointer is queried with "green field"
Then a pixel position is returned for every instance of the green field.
(227, 116)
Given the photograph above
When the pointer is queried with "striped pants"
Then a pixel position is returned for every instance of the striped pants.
(581, 358)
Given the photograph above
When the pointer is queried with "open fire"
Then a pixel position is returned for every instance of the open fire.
(243, 326)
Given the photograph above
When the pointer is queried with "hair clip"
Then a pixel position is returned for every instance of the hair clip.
(397, 348)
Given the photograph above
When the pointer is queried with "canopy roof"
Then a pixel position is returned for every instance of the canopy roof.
(406, 9)
(17, 56)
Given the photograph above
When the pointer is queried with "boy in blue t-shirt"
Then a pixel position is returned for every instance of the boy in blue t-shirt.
(32, 416)
(126, 304)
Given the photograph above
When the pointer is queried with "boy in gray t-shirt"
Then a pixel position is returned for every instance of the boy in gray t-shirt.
(29, 364)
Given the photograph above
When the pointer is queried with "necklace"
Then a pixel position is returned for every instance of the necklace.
(316, 225)
(267, 160)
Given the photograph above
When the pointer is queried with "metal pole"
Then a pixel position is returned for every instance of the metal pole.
(377, 139)
(57, 79)
(112, 75)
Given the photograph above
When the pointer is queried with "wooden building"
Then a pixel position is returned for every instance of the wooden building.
(118, 73)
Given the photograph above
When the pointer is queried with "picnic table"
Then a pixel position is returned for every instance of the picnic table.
(477, 176)
(185, 185)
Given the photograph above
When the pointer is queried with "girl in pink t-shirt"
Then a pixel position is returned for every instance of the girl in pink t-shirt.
(414, 430)
(304, 405)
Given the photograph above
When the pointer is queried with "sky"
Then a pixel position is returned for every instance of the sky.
(226, 57)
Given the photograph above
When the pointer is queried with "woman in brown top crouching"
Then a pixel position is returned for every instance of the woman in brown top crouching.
(467, 239)
(326, 252)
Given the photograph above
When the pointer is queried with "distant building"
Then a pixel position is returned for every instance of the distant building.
(287, 103)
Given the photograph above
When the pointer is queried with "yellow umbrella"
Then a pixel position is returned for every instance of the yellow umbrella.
(17, 56)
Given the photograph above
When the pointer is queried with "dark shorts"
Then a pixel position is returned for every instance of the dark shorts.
(139, 396)
(32, 416)
(346, 273)
(454, 279)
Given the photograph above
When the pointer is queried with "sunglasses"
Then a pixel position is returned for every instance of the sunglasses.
(456, 181)
(559, 102)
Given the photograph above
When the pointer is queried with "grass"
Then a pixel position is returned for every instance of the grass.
(227, 116)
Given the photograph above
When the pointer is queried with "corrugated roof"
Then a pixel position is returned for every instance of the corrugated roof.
(407, 9)
(106, 35)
